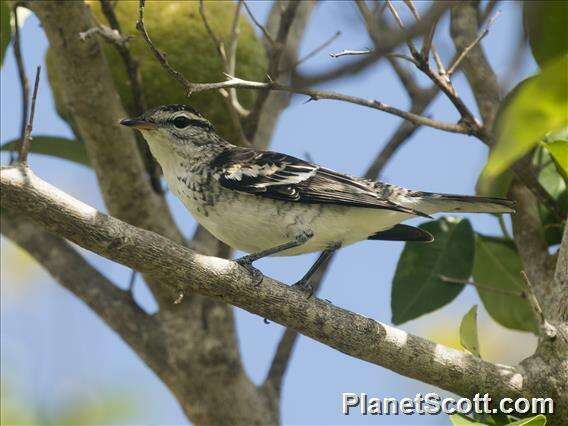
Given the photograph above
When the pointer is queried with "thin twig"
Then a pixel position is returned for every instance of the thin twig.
(396, 16)
(547, 330)
(228, 61)
(262, 28)
(216, 41)
(109, 34)
(314, 52)
(314, 94)
(503, 227)
(350, 52)
(23, 80)
(160, 56)
(452, 280)
(26, 142)
(474, 43)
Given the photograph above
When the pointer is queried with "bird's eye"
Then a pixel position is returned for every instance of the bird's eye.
(181, 122)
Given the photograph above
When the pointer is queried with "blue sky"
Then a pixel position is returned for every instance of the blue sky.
(54, 349)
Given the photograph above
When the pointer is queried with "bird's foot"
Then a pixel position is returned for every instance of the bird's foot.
(255, 274)
(305, 287)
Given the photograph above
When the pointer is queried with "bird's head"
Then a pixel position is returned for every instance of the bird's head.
(174, 127)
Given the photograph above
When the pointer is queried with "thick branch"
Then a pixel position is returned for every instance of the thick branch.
(224, 280)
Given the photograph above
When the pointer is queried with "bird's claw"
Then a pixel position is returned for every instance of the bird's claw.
(304, 287)
(256, 275)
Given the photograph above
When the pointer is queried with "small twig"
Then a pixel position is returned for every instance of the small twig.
(262, 28)
(228, 60)
(402, 56)
(218, 44)
(503, 227)
(547, 330)
(23, 80)
(161, 57)
(452, 280)
(26, 142)
(396, 16)
(109, 34)
(314, 52)
(350, 52)
(232, 57)
(476, 41)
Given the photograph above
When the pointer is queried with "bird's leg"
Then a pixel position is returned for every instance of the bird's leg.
(304, 283)
(246, 261)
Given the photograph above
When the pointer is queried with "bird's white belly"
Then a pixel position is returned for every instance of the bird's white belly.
(251, 223)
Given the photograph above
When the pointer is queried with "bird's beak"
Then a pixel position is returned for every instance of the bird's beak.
(138, 123)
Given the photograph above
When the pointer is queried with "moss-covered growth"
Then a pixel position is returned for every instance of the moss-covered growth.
(177, 29)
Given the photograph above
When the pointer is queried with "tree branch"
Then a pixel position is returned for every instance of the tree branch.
(26, 142)
(24, 84)
(224, 280)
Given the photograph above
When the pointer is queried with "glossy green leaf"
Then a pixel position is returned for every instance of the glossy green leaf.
(545, 24)
(5, 32)
(417, 288)
(558, 149)
(468, 332)
(540, 106)
(539, 420)
(54, 146)
(461, 420)
(497, 265)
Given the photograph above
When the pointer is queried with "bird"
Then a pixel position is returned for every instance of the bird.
(268, 203)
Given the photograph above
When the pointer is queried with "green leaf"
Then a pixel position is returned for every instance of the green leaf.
(417, 288)
(539, 420)
(461, 420)
(54, 146)
(468, 332)
(558, 149)
(497, 265)
(538, 107)
(5, 31)
(545, 24)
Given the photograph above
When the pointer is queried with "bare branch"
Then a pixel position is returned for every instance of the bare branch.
(228, 61)
(220, 279)
(464, 29)
(389, 41)
(109, 34)
(26, 142)
(468, 48)
(316, 50)
(315, 94)
(350, 52)
(24, 84)
(160, 56)
(547, 330)
(262, 28)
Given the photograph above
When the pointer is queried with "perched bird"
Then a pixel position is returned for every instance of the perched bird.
(271, 204)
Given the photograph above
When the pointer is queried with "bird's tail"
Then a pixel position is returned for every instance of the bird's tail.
(464, 203)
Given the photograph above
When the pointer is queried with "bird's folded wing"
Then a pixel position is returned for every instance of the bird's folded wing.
(283, 177)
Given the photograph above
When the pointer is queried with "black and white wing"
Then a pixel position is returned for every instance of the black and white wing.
(283, 177)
